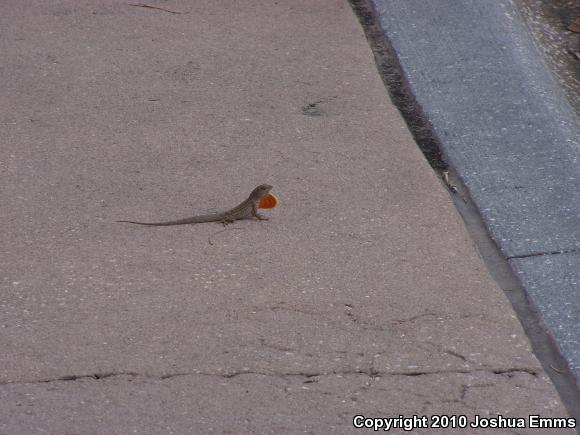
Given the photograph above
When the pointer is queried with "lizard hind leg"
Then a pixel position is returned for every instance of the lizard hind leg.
(226, 221)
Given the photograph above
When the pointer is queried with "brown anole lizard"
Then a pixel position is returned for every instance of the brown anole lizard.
(245, 210)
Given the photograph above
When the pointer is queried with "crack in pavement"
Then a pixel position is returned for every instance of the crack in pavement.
(456, 355)
(371, 372)
(541, 254)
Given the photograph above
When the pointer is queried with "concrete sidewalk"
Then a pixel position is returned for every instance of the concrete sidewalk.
(363, 295)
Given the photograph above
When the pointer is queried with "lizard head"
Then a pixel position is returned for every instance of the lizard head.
(261, 191)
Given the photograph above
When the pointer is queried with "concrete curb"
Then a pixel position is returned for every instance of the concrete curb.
(505, 126)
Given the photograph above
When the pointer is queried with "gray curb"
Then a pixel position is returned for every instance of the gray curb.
(505, 126)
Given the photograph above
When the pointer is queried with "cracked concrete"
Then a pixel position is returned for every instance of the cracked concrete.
(540, 254)
(329, 400)
(370, 372)
(363, 294)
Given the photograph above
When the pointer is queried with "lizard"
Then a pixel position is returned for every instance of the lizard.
(245, 210)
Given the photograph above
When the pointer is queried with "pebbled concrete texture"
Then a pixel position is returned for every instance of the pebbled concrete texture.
(362, 294)
(506, 128)
(502, 119)
(552, 283)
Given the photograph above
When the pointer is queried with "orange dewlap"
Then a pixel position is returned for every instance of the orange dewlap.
(269, 201)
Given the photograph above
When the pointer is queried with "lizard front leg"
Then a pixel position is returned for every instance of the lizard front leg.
(258, 215)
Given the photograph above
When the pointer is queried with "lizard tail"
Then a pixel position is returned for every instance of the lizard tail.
(191, 220)
(143, 223)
